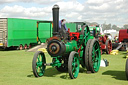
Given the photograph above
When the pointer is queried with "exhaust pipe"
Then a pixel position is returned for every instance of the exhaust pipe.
(55, 11)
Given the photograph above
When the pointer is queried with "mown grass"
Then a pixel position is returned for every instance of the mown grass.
(16, 69)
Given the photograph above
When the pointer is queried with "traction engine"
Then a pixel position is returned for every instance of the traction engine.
(68, 51)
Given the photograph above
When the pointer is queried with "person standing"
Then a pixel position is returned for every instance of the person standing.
(62, 23)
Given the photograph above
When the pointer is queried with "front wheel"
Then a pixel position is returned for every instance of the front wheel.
(94, 56)
(73, 65)
(38, 62)
(126, 69)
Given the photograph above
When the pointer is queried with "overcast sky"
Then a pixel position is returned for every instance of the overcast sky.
(101, 11)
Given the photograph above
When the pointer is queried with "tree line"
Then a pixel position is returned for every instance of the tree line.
(115, 27)
(109, 26)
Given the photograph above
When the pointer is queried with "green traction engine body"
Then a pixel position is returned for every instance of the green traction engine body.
(68, 51)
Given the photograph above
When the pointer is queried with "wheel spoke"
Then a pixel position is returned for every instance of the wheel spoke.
(73, 69)
(94, 65)
(93, 59)
(73, 64)
(94, 45)
(39, 63)
(76, 69)
(97, 50)
(38, 58)
(75, 59)
(97, 58)
(93, 52)
(37, 67)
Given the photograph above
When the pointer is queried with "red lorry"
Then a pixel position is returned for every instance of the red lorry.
(123, 35)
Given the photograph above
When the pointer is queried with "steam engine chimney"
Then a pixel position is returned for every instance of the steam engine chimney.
(55, 11)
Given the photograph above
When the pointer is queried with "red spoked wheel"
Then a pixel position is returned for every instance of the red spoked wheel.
(108, 44)
(101, 51)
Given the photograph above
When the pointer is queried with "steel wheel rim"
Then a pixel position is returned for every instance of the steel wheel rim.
(75, 66)
(40, 68)
(96, 56)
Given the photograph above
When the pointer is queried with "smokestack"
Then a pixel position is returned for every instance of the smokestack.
(55, 11)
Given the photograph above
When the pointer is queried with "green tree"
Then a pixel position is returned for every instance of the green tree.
(126, 26)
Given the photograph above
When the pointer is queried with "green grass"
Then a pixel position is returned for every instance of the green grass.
(16, 69)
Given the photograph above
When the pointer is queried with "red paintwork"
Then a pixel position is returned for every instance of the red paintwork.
(102, 41)
(73, 35)
(123, 34)
(54, 38)
(103, 38)
(103, 46)
(110, 46)
(79, 50)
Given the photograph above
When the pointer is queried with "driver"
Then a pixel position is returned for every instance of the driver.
(62, 23)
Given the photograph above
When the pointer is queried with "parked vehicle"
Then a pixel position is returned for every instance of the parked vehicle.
(22, 32)
(104, 41)
(68, 50)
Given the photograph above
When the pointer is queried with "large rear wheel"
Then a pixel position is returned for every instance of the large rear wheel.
(94, 56)
(86, 56)
(73, 65)
(38, 64)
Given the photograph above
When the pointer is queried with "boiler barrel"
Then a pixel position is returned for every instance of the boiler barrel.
(58, 48)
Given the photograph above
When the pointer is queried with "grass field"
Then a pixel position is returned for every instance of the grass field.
(16, 69)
